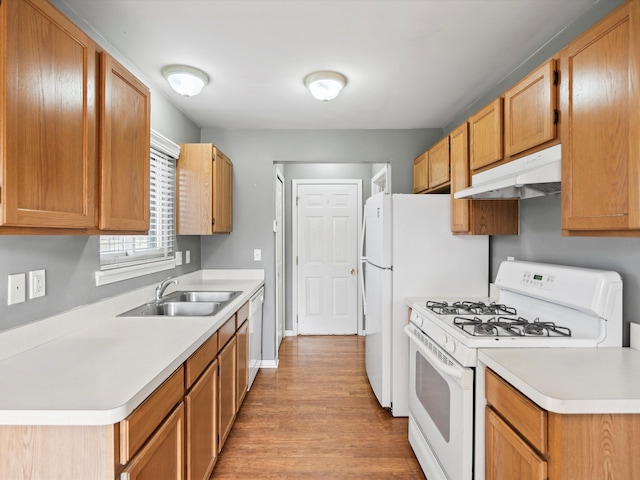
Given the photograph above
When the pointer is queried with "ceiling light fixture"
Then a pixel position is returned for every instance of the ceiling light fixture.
(187, 81)
(325, 86)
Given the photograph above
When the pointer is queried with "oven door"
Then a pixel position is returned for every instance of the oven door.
(441, 407)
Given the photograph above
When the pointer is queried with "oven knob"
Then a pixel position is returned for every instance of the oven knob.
(443, 340)
(450, 346)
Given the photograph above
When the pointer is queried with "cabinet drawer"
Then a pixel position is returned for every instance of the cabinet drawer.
(197, 363)
(138, 427)
(242, 315)
(523, 415)
(227, 331)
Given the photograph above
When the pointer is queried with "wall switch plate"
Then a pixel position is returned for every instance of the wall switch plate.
(178, 258)
(187, 257)
(16, 292)
(257, 255)
(37, 284)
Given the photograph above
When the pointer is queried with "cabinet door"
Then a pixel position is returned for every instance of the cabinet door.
(420, 174)
(485, 132)
(162, 456)
(227, 390)
(47, 115)
(195, 189)
(439, 165)
(124, 149)
(202, 433)
(508, 456)
(222, 194)
(600, 94)
(460, 178)
(242, 380)
(530, 110)
(476, 217)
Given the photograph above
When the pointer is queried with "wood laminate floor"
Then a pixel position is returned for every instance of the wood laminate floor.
(315, 417)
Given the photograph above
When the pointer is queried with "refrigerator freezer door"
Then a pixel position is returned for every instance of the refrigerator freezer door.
(378, 219)
(378, 332)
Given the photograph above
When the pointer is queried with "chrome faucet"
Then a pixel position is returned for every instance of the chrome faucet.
(162, 286)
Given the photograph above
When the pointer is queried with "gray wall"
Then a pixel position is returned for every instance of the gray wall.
(70, 262)
(541, 240)
(254, 152)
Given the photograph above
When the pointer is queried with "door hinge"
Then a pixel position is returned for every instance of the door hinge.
(296, 260)
(297, 199)
(555, 77)
(556, 116)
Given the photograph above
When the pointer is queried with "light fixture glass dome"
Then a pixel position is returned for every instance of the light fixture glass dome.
(325, 86)
(187, 81)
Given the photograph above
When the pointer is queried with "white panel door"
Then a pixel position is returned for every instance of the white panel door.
(327, 219)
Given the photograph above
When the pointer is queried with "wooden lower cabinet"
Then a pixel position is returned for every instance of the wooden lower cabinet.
(202, 425)
(162, 457)
(524, 441)
(508, 455)
(227, 365)
(242, 350)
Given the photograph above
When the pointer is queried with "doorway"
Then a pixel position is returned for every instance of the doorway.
(327, 215)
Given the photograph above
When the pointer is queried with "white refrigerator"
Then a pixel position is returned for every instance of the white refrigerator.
(409, 251)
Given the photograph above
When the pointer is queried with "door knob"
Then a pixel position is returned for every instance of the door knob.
(352, 271)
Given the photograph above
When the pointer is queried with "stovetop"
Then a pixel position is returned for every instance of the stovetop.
(481, 319)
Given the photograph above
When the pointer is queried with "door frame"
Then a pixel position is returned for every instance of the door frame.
(294, 246)
(280, 310)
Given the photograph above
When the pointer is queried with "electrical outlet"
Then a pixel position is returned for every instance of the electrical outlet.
(257, 255)
(16, 290)
(187, 257)
(37, 284)
(178, 258)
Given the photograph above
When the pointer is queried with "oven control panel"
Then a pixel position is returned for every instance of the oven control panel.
(538, 280)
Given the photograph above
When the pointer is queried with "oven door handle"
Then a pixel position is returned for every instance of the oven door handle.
(451, 370)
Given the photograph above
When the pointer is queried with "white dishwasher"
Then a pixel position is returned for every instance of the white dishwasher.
(255, 334)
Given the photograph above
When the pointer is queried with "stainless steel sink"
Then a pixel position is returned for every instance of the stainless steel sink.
(184, 304)
(196, 296)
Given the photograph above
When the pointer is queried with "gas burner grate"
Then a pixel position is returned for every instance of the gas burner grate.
(470, 308)
(502, 326)
(545, 329)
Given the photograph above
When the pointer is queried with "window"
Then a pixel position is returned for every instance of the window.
(127, 256)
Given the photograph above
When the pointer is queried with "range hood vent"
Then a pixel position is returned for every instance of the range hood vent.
(535, 175)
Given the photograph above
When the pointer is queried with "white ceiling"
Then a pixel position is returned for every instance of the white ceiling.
(409, 63)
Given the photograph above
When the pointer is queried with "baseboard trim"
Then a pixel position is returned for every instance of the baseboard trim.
(269, 364)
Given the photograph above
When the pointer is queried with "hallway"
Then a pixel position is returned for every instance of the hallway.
(315, 417)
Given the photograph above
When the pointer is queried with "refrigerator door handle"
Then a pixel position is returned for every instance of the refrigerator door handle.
(363, 261)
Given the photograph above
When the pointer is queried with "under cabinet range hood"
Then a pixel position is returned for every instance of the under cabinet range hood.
(535, 175)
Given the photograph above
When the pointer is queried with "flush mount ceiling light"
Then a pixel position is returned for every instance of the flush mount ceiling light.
(325, 86)
(187, 81)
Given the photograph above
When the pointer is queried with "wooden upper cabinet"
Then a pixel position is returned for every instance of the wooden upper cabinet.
(530, 110)
(439, 165)
(600, 99)
(47, 118)
(205, 194)
(124, 149)
(420, 173)
(485, 133)
(476, 217)
(222, 194)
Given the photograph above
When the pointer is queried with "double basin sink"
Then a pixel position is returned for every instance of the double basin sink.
(184, 304)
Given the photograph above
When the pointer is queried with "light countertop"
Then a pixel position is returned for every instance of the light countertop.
(90, 367)
(571, 380)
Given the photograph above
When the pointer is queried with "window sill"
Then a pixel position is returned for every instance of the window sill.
(105, 277)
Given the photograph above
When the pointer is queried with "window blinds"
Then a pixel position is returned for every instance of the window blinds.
(126, 250)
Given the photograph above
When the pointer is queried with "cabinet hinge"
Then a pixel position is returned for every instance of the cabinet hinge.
(213, 220)
(556, 116)
(555, 77)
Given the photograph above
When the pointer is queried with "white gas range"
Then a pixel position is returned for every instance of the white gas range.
(538, 305)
